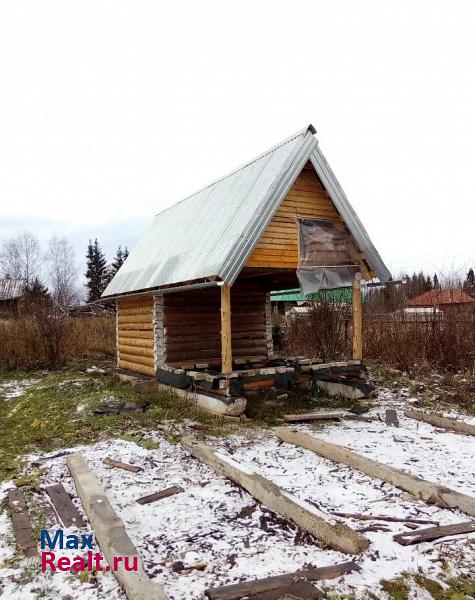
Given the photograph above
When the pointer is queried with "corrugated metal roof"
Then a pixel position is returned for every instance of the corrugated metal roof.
(11, 288)
(212, 232)
(295, 295)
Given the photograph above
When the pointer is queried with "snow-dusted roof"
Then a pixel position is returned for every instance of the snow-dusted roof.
(11, 288)
(212, 232)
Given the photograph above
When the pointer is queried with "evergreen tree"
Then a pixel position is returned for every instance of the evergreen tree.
(118, 261)
(96, 272)
(37, 294)
(469, 283)
(436, 283)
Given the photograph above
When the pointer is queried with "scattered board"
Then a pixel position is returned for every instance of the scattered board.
(64, 506)
(302, 590)
(267, 584)
(170, 491)
(21, 521)
(368, 517)
(339, 536)
(428, 491)
(120, 465)
(433, 533)
(391, 417)
(314, 416)
(443, 422)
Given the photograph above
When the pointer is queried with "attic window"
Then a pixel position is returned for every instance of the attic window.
(325, 261)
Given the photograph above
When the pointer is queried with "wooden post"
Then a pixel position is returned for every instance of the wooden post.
(357, 319)
(226, 347)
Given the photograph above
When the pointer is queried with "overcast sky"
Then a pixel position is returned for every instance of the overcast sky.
(113, 111)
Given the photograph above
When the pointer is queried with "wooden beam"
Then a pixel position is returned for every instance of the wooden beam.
(226, 344)
(236, 591)
(428, 491)
(357, 319)
(339, 536)
(443, 422)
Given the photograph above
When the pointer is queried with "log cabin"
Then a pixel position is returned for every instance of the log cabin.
(193, 297)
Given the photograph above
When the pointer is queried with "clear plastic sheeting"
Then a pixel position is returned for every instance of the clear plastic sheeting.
(324, 258)
(314, 280)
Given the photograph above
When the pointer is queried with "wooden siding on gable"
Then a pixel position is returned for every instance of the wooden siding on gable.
(135, 334)
(278, 245)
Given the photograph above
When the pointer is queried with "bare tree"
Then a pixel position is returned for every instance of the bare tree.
(20, 257)
(62, 271)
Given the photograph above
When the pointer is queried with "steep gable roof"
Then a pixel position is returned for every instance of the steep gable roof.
(212, 232)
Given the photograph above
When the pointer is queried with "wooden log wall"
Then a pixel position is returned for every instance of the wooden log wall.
(278, 245)
(193, 324)
(135, 334)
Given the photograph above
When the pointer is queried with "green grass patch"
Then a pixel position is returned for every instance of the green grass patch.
(396, 589)
(265, 408)
(57, 413)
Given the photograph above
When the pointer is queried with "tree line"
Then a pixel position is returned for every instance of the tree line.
(51, 272)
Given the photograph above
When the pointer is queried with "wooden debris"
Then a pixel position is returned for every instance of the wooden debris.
(267, 584)
(368, 517)
(339, 536)
(302, 590)
(21, 521)
(170, 491)
(120, 465)
(198, 426)
(64, 506)
(314, 416)
(391, 417)
(433, 533)
(444, 422)
(428, 491)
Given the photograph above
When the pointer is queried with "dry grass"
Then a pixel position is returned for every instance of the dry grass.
(445, 343)
(24, 342)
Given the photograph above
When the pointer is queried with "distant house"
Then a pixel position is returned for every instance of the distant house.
(446, 300)
(12, 292)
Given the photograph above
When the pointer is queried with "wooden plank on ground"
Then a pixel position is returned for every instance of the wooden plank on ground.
(258, 586)
(340, 537)
(314, 416)
(121, 465)
(302, 590)
(170, 491)
(110, 534)
(368, 517)
(433, 533)
(443, 422)
(64, 506)
(391, 417)
(21, 522)
(430, 492)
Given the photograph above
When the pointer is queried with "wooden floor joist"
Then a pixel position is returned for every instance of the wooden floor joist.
(430, 492)
(110, 533)
(442, 422)
(337, 536)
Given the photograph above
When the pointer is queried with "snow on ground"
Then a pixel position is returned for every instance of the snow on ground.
(215, 526)
(15, 389)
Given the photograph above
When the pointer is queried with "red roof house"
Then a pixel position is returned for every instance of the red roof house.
(443, 299)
